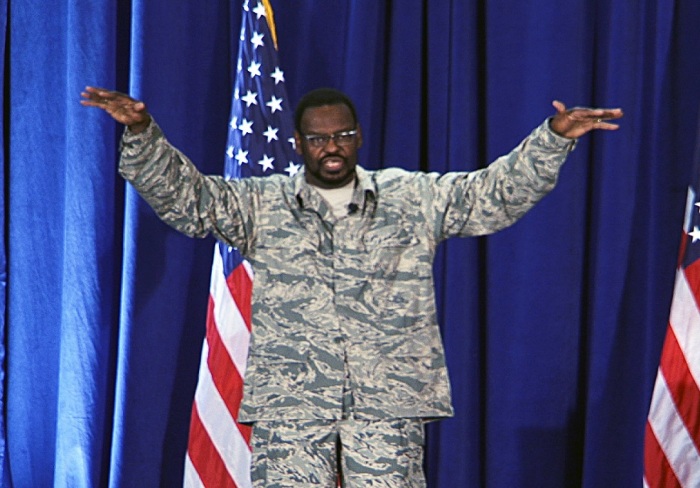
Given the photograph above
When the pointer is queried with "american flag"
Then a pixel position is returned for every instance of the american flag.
(260, 142)
(672, 437)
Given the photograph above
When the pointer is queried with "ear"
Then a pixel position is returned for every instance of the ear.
(297, 142)
(359, 136)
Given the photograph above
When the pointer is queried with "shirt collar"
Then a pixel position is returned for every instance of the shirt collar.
(364, 190)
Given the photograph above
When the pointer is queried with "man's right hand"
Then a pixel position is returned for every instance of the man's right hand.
(121, 107)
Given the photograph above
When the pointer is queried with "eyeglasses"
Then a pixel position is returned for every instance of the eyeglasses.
(340, 138)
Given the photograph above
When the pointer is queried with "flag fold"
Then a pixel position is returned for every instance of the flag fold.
(260, 142)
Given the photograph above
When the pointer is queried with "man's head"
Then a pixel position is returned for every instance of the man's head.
(327, 136)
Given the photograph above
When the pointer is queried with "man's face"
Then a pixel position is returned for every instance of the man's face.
(330, 164)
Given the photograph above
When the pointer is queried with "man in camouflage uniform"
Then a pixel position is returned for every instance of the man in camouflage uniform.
(346, 361)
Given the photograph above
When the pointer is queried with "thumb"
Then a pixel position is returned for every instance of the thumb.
(559, 106)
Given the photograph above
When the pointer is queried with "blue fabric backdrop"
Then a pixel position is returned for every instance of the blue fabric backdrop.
(553, 327)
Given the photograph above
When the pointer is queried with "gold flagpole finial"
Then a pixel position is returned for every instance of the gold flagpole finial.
(270, 20)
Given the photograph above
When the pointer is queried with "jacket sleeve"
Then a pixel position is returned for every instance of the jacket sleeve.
(490, 199)
(190, 202)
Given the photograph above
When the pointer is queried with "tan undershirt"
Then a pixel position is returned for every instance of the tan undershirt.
(338, 199)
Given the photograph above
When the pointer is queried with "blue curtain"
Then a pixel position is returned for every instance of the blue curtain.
(553, 327)
(4, 462)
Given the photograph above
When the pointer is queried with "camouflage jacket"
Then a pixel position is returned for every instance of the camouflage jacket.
(355, 292)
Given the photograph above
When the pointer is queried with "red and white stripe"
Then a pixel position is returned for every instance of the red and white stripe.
(672, 437)
(218, 453)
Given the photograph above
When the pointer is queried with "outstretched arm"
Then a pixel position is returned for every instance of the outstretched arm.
(121, 107)
(577, 121)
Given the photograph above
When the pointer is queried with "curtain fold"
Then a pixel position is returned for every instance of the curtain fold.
(552, 327)
(181, 66)
(60, 218)
(4, 458)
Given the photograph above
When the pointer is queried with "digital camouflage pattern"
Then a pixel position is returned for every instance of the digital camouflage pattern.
(354, 292)
(294, 453)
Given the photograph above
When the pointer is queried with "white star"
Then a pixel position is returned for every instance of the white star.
(254, 69)
(278, 75)
(698, 205)
(245, 5)
(271, 134)
(266, 162)
(293, 142)
(229, 152)
(239, 64)
(234, 123)
(695, 234)
(250, 98)
(292, 169)
(242, 156)
(275, 104)
(246, 127)
(259, 10)
(257, 40)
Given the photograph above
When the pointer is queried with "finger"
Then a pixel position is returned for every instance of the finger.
(603, 115)
(559, 106)
(606, 126)
(95, 89)
(93, 102)
(111, 101)
(94, 97)
(88, 103)
(612, 113)
(105, 95)
(608, 111)
(596, 113)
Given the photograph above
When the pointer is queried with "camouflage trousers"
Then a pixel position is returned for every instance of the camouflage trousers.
(359, 453)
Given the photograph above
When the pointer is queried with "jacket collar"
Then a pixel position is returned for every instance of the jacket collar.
(364, 194)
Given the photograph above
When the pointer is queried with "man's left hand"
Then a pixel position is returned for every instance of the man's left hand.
(577, 121)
